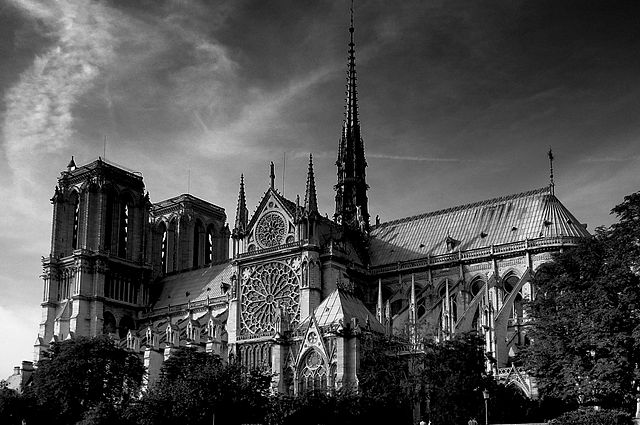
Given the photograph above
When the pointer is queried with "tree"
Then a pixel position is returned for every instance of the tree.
(387, 381)
(452, 379)
(194, 386)
(12, 405)
(83, 375)
(584, 320)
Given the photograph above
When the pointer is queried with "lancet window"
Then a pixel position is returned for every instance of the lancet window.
(198, 242)
(208, 250)
(76, 221)
(164, 244)
(124, 228)
(313, 375)
(120, 288)
(66, 284)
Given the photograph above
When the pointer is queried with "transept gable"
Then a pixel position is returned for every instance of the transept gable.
(273, 223)
(312, 341)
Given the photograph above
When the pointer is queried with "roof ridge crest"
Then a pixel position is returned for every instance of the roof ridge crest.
(541, 190)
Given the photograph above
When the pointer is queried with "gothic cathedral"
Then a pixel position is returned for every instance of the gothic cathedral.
(300, 288)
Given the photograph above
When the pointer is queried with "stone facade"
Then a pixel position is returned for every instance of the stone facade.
(300, 288)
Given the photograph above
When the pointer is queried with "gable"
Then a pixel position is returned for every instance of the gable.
(272, 224)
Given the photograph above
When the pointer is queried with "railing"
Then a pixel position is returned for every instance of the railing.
(271, 249)
(479, 253)
(190, 305)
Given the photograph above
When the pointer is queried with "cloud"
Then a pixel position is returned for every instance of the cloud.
(20, 328)
(39, 108)
(426, 158)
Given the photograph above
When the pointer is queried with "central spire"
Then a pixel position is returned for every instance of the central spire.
(352, 208)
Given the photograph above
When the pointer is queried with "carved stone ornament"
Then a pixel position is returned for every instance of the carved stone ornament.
(271, 230)
(265, 289)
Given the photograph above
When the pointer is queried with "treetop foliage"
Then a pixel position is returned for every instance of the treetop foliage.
(83, 374)
(584, 319)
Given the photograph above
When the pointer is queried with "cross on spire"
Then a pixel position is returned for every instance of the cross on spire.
(352, 208)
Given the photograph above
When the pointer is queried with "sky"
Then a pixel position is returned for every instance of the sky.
(459, 101)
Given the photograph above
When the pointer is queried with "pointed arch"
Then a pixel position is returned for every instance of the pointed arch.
(198, 244)
(475, 286)
(164, 245)
(126, 324)
(313, 372)
(108, 323)
(74, 201)
(209, 244)
(125, 213)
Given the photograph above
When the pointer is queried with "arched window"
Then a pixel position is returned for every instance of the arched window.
(208, 245)
(164, 244)
(108, 221)
(198, 239)
(313, 373)
(172, 245)
(476, 287)
(108, 323)
(508, 284)
(126, 323)
(124, 226)
(76, 220)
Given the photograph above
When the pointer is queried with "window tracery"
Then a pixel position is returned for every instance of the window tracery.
(313, 375)
(265, 289)
(271, 230)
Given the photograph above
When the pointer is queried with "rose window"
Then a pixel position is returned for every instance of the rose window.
(270, 230)
(265, 289)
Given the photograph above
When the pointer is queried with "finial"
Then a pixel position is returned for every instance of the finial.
(273, 176)
(552, 185)
(310, 197)
(242, 213)
(72, 164)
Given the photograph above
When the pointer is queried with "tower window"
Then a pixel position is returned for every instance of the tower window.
(76, 222)
(208, 251)
(108, 223)
(123, 238)
(163, 249)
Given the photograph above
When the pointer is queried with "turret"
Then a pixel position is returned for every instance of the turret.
(242, 218)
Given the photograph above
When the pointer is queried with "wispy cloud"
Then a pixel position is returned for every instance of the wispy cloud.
(39, 108)
(424, 158)
(594, 159)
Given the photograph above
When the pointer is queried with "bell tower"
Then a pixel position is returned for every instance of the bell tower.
(96, 275)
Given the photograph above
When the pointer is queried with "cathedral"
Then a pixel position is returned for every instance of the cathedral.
(290, 289)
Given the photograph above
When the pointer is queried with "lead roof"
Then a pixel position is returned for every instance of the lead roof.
(528, 215)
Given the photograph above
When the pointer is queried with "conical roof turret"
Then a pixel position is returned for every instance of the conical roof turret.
(310, 197)
(242, 213)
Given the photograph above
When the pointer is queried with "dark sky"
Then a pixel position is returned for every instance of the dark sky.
(459, 101)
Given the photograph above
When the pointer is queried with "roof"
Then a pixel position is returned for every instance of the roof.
(186, 200)
(528, 215)
(194, 285)
(340, 305)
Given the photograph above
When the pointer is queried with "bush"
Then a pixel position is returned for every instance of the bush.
(593, 417)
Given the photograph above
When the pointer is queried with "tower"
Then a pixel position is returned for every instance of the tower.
(96, 275)
(352, 210)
